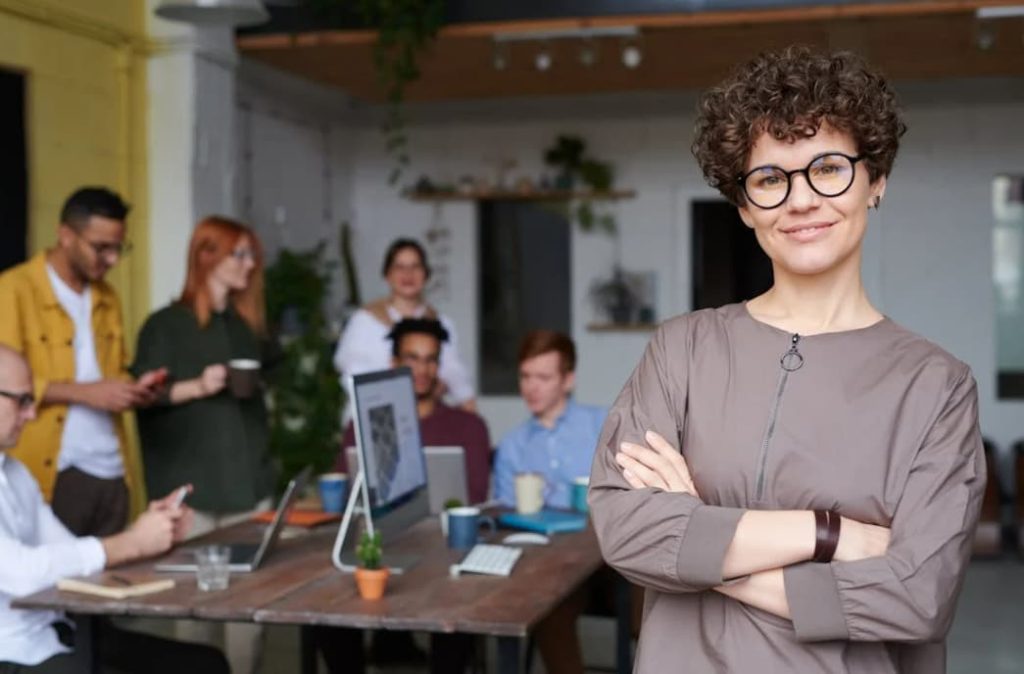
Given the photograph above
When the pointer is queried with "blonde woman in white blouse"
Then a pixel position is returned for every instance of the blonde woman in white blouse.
(364, 345)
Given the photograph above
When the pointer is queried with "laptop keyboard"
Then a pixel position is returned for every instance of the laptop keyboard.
(493, 560)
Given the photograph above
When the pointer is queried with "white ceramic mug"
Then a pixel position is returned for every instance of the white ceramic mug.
(529, 493)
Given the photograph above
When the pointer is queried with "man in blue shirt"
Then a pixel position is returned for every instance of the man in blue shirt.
(559, 438)
(558, 442)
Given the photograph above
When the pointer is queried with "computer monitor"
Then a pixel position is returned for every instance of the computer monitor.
(387, 427)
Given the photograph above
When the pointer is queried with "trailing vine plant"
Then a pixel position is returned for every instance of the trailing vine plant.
(405, 28)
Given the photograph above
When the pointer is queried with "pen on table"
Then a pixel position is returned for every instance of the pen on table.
(120, 579)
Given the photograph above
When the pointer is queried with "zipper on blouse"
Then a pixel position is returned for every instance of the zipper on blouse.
(791, 361)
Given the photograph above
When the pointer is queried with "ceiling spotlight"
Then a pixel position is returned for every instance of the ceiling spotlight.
(588, 53)
(500, 56)
(632, 55)
(543, 60)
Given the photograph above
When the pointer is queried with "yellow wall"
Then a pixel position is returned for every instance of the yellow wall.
(85, 65)
(85, 118)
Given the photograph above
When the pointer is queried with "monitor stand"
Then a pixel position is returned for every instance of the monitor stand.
(390, 525)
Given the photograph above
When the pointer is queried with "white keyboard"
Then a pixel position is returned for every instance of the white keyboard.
(494, 560)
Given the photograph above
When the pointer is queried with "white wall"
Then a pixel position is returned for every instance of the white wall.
(170, 82)
(191, 138)
(293, 157)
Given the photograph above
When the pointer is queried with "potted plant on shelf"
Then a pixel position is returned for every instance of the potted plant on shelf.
(615, 298)
(569, 156)
(566, 155)
(371, 578)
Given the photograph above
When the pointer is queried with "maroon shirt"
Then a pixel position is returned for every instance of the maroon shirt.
(449, 426)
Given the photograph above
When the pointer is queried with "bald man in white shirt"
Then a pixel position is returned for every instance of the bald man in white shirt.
(36, 550)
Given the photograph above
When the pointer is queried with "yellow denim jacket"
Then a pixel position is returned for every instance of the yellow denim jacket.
(33, 322)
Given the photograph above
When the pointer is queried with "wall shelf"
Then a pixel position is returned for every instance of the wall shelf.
(515, 195)
(621, 327)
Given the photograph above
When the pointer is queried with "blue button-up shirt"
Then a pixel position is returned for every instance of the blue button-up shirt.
(561, 453)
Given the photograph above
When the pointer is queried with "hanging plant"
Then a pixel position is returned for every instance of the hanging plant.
(405, 28)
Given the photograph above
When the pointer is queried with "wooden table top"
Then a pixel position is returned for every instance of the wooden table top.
(298, 585)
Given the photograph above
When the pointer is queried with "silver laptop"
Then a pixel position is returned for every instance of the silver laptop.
(246, 557)
(446, 474)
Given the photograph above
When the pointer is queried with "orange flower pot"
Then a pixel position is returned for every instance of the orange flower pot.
(371, 582)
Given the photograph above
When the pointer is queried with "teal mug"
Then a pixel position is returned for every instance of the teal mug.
(579, 494)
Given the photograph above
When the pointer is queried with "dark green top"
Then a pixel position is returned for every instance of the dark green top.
(219, 443)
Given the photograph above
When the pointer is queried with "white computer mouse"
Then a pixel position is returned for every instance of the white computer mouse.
(526, 538)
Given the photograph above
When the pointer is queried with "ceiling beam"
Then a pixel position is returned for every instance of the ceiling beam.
(902, 8)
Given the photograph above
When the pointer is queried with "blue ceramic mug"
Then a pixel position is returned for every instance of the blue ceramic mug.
(464, 527)
(333, 490)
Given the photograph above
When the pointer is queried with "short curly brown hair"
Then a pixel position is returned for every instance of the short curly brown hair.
(789, 94)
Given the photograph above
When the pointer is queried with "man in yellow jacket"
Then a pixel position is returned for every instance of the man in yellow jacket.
(57, 310)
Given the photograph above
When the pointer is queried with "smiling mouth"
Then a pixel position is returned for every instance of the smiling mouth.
(807, 229)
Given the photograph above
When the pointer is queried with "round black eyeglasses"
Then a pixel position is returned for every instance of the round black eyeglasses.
(829, 175)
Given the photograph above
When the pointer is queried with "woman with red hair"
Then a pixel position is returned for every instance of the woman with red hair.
(201, 433)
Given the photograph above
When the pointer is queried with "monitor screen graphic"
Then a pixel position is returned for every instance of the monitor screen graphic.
(388, 429)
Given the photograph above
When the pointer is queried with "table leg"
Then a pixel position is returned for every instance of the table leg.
(623, 626)
(87, 652)
(307, 651)
(509, 659)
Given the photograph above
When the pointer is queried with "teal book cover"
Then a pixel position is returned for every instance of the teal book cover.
(545, 522)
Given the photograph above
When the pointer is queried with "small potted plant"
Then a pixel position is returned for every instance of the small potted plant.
(448, 505)
(371, 579)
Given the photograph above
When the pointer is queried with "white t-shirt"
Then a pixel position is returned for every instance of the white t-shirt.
(89, 441)
(364, 347)
(35, 552)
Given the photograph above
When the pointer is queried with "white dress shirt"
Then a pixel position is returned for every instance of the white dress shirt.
(364, 347)
(35, 552)
(88, 441)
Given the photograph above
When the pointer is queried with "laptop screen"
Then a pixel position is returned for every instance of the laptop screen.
(271, 533)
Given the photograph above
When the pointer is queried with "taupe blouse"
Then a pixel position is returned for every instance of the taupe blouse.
(878, 424)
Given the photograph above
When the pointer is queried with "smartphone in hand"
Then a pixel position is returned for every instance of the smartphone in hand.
(181, 495)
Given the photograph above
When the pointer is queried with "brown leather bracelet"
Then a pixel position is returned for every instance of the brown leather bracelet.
(820, 532)
(826, 530)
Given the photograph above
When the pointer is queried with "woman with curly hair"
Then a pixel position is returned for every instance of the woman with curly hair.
(795, 480)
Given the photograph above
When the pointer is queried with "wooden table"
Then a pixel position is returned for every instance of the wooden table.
(297, 585)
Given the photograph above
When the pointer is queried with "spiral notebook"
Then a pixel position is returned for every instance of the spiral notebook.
(545, 522)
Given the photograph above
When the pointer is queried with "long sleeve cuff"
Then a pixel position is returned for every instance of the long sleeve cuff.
(814, 603)
(91, 554)
(707, 538)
